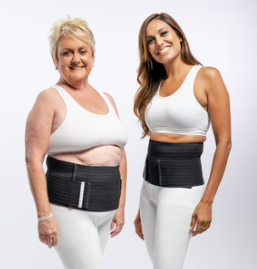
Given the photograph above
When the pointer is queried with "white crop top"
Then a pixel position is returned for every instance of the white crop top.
(82, 130)
(179, 113)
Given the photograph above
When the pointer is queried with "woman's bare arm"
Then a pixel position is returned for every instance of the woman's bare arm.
(37, 137)
(219, 111)
(119, 218)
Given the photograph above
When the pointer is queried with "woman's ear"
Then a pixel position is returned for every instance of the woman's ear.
(179, 37)
(55, 61)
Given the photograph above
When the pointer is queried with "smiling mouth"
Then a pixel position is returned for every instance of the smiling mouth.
(76, 67)
(162, 51)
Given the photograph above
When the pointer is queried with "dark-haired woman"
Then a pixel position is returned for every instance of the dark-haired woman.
(176, 101)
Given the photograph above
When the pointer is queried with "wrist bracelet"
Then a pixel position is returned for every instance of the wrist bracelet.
(45, 217)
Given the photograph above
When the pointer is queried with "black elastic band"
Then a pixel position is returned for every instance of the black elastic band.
(174, 165)
(83, 187)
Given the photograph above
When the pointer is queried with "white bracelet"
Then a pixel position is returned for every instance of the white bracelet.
(45, 217)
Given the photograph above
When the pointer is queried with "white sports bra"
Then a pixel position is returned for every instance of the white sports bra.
(82, 130)
(179, 113)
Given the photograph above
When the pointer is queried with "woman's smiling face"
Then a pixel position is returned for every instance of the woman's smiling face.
(75, 59)
(163, 42)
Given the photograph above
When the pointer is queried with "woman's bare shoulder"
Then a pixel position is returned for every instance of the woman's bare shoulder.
(209, 73)
(48, 98)
(211, 79)
(47, 95)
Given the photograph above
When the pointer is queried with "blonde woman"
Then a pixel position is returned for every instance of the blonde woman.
(80, 197)
(176, 101)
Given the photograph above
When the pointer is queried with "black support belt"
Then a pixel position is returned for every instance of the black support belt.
(174, 165)
(83, 187)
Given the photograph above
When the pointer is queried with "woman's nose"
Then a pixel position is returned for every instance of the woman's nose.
(76, 58)
(159, 41)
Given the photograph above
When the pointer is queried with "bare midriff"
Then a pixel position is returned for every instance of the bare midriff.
(109, 155)
(179, 139)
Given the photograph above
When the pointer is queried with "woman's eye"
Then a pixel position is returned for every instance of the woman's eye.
(66, 53)
(83, 52)
(149, 41)
(164, 33)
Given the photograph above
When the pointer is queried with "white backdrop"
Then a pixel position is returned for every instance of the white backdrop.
(221, 33)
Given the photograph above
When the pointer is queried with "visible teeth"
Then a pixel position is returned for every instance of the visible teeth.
(164, 50)
(78, 67)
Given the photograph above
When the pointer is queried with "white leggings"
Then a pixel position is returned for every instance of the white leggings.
(166, 215)
(82, 236)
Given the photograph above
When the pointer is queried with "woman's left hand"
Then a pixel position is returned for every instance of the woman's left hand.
(201, 219)
(118, 222)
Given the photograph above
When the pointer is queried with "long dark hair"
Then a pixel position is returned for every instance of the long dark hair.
(150, 72)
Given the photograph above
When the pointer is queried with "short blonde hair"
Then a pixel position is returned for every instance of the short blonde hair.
(74, 27)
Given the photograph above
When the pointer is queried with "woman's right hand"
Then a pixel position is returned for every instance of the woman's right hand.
(138, 226)
(48, 232)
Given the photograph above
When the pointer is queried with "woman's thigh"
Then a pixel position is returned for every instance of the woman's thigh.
(104, 229)
(79, 241)
(172, 227)
(148, 216)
